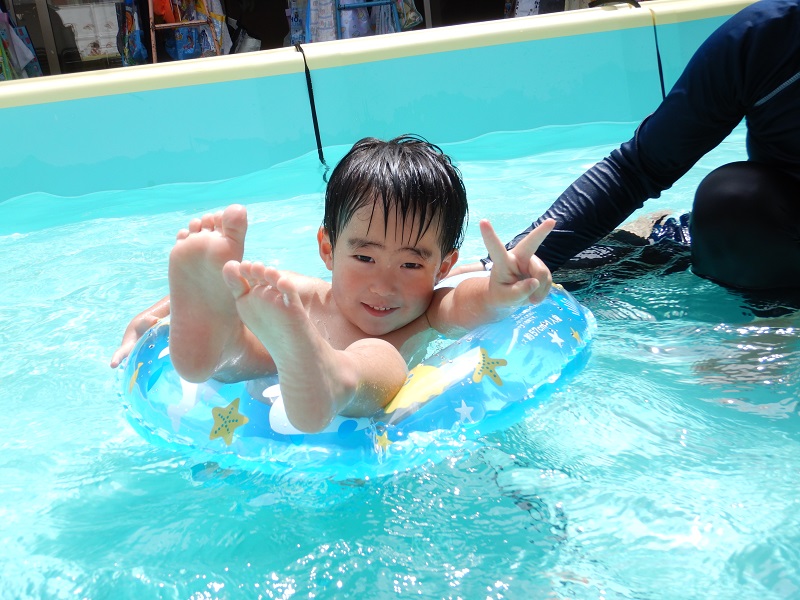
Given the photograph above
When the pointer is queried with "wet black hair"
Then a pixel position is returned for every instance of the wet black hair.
(406, 174)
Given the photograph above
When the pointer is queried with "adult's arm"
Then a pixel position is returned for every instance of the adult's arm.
(712, 95)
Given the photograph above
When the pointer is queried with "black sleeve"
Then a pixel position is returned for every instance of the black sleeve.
(587, 211)
(706, 103)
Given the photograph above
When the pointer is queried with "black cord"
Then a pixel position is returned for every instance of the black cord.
(314, 113)
(634, 3)
(658, 59)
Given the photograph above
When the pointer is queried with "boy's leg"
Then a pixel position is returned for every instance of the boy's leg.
(745, 227)
(317, 381)
(207, 337)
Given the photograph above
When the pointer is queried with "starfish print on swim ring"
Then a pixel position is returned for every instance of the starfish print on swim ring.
(488, 366)
(464, 412)
(226, 421)
(382, 442)
(555, 338)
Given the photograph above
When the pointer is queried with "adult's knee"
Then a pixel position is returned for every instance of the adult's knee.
(745, 227)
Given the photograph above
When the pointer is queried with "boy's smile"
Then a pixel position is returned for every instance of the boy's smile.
(382, 275)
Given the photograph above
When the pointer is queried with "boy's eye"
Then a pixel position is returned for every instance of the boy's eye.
(363, 258)
(410, 265)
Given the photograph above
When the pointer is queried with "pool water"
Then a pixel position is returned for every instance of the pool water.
(667, 468)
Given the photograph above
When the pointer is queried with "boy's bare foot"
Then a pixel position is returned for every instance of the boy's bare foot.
(313, 384)
(205, 327)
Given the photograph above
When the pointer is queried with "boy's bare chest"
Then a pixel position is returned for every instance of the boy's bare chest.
(340, 332)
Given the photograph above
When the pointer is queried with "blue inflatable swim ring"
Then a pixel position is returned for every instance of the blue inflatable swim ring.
(483, 382)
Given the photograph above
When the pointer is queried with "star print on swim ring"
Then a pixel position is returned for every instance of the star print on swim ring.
(487, 380)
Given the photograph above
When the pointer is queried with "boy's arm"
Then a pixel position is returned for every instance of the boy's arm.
(136, 328)
(518, 277)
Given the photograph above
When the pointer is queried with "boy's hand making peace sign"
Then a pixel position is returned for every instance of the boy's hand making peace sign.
(518, 276)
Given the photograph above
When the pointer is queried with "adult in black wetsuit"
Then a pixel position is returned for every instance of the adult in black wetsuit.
(745, 221)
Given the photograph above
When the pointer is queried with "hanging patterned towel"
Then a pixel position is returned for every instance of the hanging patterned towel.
(409, 15)
(33, 68)
(6, 72)
(320, 20)
(16, 55)
(212, 11)
(383, 19)
(355, 21)
(197, 41)
(131, 46)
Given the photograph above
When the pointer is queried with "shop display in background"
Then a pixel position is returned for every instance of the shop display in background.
(17, 56)
(94, 28)
(81, 35)
(184, 29)
(67, 36)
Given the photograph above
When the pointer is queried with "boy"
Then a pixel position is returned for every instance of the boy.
(395, 214)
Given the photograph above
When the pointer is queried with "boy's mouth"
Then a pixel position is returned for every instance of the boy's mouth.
(379, 311)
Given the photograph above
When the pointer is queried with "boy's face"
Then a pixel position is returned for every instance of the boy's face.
(383, 282)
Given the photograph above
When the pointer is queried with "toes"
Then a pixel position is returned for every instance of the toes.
(195, 225)
(271, 274)
(288, 287)
(246, 269)
(235, 279)
(207, 222)
(264, 273)
(234, 222)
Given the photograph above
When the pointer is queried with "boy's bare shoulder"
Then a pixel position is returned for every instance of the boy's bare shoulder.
(438, 315)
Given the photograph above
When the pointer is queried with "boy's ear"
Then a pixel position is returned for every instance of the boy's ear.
(325, 247)
(448, 263)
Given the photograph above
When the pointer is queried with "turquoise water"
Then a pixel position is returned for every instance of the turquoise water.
(666, 469)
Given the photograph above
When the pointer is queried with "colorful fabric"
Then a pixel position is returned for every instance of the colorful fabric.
(16, 55)
(165, 10)
(133, 49)
(320, 20)
(409, 15)
(355, 22)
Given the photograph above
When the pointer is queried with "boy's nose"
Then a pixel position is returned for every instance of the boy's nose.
(383, 284)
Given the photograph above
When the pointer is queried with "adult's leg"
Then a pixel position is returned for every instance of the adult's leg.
(745, 227)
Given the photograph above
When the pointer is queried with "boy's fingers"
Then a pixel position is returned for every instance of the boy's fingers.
(545, 278)
(117, 358)
(494, 245)
(525, 287)
(122, 352)
(531, 242)
(533, 289)
(540, 293)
